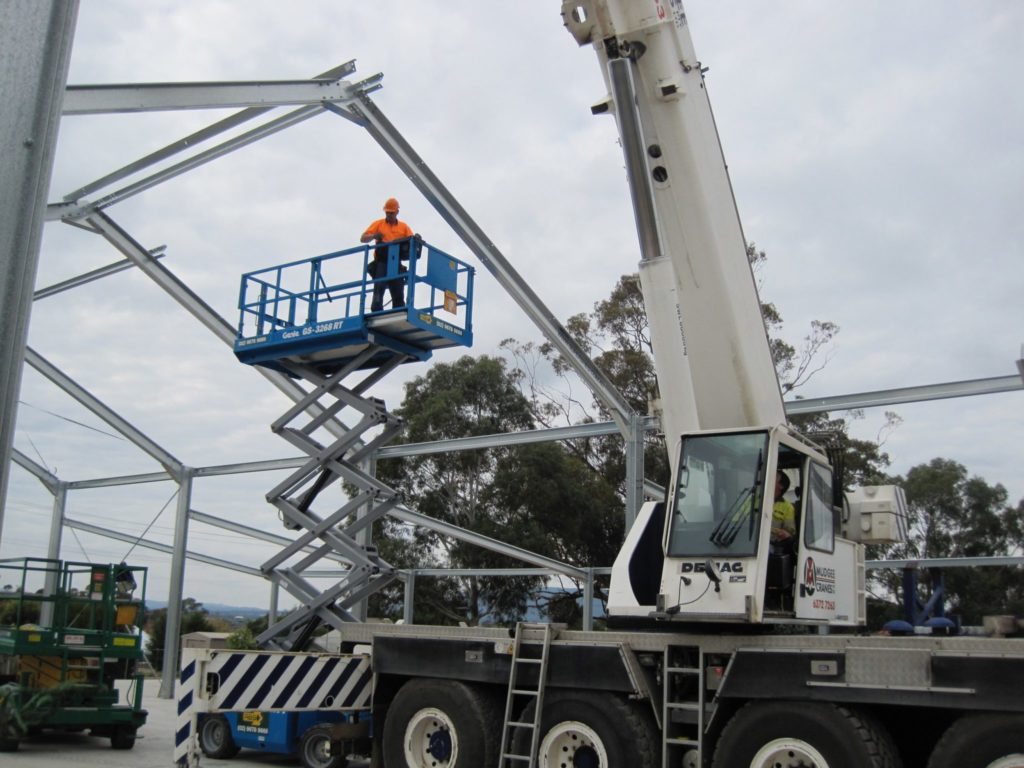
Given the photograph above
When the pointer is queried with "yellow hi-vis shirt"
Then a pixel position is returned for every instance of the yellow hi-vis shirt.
(784, 516)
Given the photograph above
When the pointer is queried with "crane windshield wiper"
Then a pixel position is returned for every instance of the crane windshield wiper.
(743, 509)
(731, 523)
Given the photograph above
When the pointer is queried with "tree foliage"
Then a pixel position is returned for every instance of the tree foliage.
(540, 496)
(194, 618)
(952, 514)
(615, 336)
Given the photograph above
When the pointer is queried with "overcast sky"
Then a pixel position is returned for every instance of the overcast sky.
(875, 150)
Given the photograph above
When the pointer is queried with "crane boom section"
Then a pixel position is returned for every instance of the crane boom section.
(733, 378)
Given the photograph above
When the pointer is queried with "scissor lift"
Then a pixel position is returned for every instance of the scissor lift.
(311, 319)
(69, 633)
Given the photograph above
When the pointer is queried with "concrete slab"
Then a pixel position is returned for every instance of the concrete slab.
(153, 749)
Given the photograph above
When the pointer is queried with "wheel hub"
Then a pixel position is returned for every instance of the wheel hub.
(572, 744)
(586, 757)
(440, 745)
(788, 753)
(430, 739)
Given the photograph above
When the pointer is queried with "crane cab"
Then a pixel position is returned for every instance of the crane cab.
(710, 554)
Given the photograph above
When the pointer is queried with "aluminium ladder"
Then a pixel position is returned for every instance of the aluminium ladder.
(683, 705)
(528, 675)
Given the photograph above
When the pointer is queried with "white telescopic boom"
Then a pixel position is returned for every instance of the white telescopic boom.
(685, 211)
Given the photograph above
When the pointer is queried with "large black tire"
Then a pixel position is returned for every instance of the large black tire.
(984, 740)
(215, 738)
(786, 734)
(122, 736)
(441, 724)
(315, 749)
(591, 728)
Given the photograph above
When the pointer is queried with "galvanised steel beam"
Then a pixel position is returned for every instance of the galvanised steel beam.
(157, 97)
(194, 139)
(94, 404)
(88, 277)
(256, 533)
(920, 394)
(156, 546)
(35, 40)
(407, 515)
(76, 210)
(246, 467)
(70, 211)
(42, 474)
(113, 482)
(465, 572)
(945, 562)
(573, 432)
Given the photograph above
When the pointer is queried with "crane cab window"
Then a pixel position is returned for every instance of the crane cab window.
(819, 528)
(718, 492)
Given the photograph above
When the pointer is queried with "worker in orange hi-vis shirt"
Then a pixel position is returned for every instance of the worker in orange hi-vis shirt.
(384, 231)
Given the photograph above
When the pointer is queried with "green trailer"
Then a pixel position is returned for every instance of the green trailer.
(69, 631)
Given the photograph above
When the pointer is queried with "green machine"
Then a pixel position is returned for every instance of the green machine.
(69, 632)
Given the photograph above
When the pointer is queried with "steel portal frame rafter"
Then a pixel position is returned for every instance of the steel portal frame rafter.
(156, 97)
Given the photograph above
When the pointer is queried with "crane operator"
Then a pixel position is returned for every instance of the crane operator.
(783, 516)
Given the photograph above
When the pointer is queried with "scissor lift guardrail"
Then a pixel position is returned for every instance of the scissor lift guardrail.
(69, 631)
(312, 320)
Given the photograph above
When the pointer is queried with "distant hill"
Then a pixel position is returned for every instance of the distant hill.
(218, 609)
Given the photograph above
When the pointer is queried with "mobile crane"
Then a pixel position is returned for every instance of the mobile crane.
(701, 666)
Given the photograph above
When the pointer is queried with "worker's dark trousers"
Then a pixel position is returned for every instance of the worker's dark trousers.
(395, 287)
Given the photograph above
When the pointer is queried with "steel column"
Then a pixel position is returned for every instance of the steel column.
(634, 468)
(588, 601)
(35, 38)
(60, 498)
(409, 605)
(275, 594)
(176, 591)
(60, 502)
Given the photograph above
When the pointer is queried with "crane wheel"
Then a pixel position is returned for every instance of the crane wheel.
(982, 740)
(786, 734)
(591, 728)
(442, 723)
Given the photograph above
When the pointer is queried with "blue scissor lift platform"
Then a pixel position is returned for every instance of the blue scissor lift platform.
(312, 319)
(317, 311)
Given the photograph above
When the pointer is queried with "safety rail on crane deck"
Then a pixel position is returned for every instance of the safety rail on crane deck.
(317, 310)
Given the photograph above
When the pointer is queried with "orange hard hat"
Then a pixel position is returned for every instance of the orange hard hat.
(391, 205)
